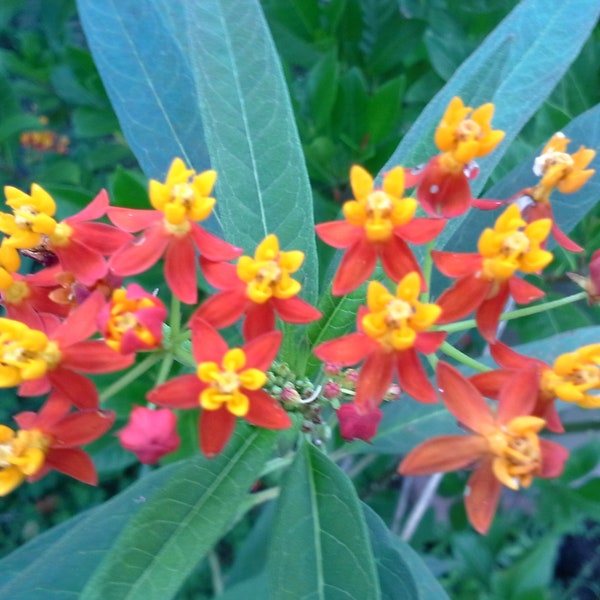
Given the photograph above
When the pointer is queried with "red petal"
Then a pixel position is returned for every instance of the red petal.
(413, 377)
(339, 234)
(488, 313)
(547, 410)
(509, 359)
(223, 309)
(94, 210)
(553, 458)
(265, 411)
(489, 383)
(181, 392)
(481, 497)
(463, 400)
(101, 237)
(487, 204)
(52, 411)
(428, 342)
(216, 427)
(36, 387)
(563, 240)
(347, 350)
(355, 267)
(207, 344)
(262, 350)
(420, 230)
(295, 310)
(518, 396)
(142, 253)
(81, 323)
(524, 292)
(443, 454)
(94, 356)
(74, 463)
(374, 378)
(180, 269)
(80, 390)
(398, 260)
(358, 422)
(465, 296)
(456, 264)
(260, 319)
(81, 428)
(221, 275)
(211, 246)
(443, 194)
(87, 265)
(131, 219)
(413, 176)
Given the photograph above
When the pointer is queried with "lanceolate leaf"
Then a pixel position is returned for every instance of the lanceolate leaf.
(57, 564)
(149, 80)
(170, 535)
(263, 186)
(320, 547)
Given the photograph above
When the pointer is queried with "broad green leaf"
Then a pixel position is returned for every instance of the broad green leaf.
(320, 545)
(169, 536)
(402, 572)
(148, 77)
(263, 186)
(57, 564)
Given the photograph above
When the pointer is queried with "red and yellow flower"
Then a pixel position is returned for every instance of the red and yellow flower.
(38, 361)
(171, 230)
(462, 135)
(391, 331)
(504, 445)
(487, 278)
(132, 320)
(49, 440)
(227, 384)
(563, 171)
(259, 287)
(379, 223)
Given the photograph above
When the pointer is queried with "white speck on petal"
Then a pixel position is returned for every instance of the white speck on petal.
(434, 189)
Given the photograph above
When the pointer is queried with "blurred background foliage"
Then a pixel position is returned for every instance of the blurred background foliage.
(358, 72)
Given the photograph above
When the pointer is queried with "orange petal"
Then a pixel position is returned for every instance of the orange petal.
(481, 497)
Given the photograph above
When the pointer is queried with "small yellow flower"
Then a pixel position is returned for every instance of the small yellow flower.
(267, 275)
(514, 245)
(394, 321)
(516, 450)
(465, 134)
(184, 197)
(24, 353)
(573, 375)
(378, 210)
(227, 381)
(557, 168)
(22, 454)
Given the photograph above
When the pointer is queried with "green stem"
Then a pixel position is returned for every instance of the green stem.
(276, 464)
(216, 574)
(426, 270)
(515, 314)
(463, 358)
(131, 376)
(175, 317)
(165, 367)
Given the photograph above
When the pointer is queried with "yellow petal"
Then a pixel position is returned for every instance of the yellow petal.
(252, 379)
(361, 182)
(393, 182)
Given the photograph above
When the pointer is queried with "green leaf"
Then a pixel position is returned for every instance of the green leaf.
(169, 536)
(402, 572)
(320, 546)
(57, 564)
(147, 75)
(263, 185)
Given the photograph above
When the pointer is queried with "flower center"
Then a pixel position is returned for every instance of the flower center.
(551, 159)
(516, 447)
(379, 205)
(226, 382)
(61, 235)
(16, 293)
(515, 246)
(398, 312)
(468, 130)
(23, 452)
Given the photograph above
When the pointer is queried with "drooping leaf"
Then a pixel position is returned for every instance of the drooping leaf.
(320, 546)
(171, 534)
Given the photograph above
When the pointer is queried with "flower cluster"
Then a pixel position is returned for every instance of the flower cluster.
(73, 318)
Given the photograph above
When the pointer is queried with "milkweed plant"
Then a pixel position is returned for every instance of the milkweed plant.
(278, 364)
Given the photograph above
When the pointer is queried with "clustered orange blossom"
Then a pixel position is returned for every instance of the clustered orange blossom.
(73, 317)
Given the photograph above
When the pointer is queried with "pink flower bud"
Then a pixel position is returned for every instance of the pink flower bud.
(150, 434)
(358, 422)
(331, 390)
(331, 369)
